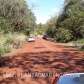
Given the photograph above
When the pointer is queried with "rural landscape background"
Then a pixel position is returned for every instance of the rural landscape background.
(62, 51)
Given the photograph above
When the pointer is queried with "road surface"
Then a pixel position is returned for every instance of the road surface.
(38, 62)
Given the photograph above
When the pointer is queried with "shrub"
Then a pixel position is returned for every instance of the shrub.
(50, 32)
(4, 49)
(5, 26)
(27, 32)
(63, 35)
(11, 41)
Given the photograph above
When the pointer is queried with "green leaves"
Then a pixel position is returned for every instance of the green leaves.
(5, 26)
(63, 35)
(17, 14)
(74, 19)
(70, 23)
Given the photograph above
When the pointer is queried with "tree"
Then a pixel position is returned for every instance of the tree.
(17, 13)
(40, 29)
(72, 17)
(51, 26)
(70, 23)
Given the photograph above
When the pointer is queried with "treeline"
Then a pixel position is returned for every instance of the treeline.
(17, 21)
(70, 23)
(16, 16)
(40, 29)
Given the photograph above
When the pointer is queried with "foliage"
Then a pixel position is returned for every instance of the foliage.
(8, 41)
(50, 32)
(5, 26)
(4, 49)
(51, 27)
(27, 32)
(40, 29)
(70, 23)
(72, 18)
(17, 15)
(63, 35)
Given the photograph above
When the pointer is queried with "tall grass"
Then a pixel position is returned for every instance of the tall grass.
(8, 41)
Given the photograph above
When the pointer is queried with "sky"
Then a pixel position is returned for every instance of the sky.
(45, 9)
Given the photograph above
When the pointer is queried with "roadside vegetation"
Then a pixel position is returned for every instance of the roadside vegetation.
(79, 44)
(9, 42)
(69, 25)
(40, 29)
(16, 22)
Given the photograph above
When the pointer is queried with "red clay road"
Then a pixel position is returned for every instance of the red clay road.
(38, 62)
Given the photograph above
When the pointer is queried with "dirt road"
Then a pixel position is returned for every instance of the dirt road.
(37, 62)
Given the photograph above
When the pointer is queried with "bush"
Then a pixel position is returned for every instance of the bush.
(27, 32)
(50, 32)
(5, 26)
(11, 41)
(4, 49)
(63, 35)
